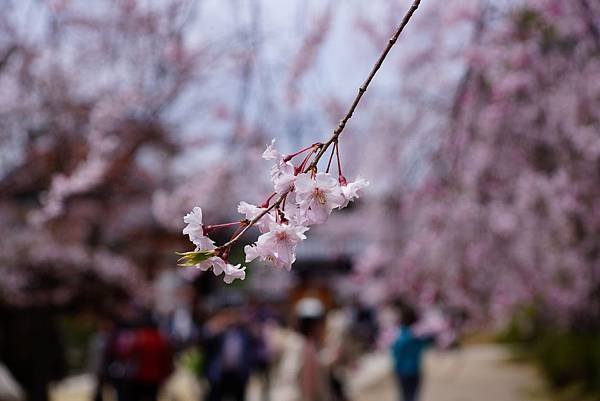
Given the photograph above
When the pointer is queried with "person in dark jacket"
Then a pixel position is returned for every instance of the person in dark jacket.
(138, 358)
(229, 354)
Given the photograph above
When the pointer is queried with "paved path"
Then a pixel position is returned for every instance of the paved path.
(475, 373)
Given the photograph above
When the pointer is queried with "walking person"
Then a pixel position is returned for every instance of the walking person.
(154, 360)
(407, 353)
(119, 361)
(137, 359)
(230, 353)
(314, 375)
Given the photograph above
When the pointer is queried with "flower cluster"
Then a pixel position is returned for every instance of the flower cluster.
(302, 197)
(205, 257)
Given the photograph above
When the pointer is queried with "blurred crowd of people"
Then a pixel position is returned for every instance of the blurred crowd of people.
(301, 349)
(293, 353)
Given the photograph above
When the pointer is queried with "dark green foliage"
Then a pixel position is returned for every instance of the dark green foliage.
(77, 332)
(568, 358)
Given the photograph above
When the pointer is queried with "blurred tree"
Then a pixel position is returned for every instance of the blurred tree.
(87, 138)
(480, 142)
(507, 214)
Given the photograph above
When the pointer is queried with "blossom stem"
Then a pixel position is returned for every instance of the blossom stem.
(237, 231)
(363, 88)
(253, 221)
(330, 159)
(212, 227)
(305, 161)
(291, 156)
(225, 254)
(266, 203)
(322, 148)
(283, 203)
(336, 146)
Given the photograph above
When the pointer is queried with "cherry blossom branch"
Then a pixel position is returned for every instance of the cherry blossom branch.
(363, 88)
(253, 222)
(322, 148)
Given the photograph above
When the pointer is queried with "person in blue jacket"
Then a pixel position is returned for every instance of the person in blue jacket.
(407, 353)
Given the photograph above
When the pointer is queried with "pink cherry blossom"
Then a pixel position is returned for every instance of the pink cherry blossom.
(193, 220)
(283, 177)
(216, 263)
(219, 266)
(282, 172)
(251, 211)
(318, 196)
(292, 211)
(351, 190)
(271, 153)
(234, 272)
(195, 230)
(277, 246)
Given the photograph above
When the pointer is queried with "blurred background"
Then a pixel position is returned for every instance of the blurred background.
(478, 239)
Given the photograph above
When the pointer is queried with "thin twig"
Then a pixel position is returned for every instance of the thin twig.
(330, 159)
(342, 124)
(336, 146)
(254, 221)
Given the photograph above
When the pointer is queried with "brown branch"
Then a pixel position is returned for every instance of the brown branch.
(254, 221)
(361, 91)
(6, 56)
(342, 124)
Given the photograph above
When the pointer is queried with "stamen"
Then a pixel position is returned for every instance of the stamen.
(320, 196)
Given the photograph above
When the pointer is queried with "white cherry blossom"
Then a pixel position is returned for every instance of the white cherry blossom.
(318, 196)
(282, 172)
(195, 230)
(251, 211)
(277, 246)
(283, 177)
(292, 212)
(234, 272)
(352, 190)
(271, 153)
(217, 264)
